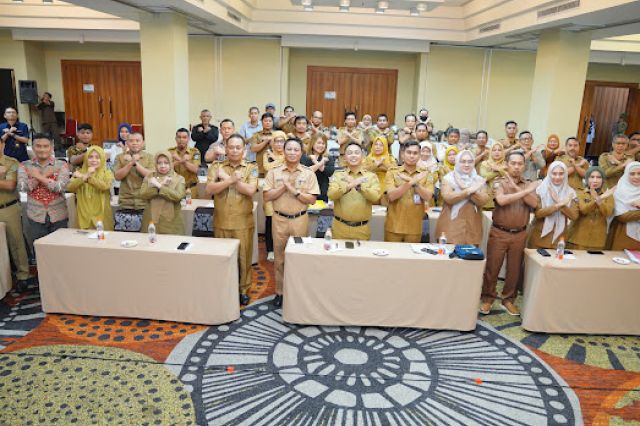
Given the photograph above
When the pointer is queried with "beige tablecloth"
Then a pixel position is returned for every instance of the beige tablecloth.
(403, 289)
(590, 294)
(5, 266)
(148, 281)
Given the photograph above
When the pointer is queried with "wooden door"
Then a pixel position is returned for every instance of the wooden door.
(633, 110)
(336, 90)
(104, 94)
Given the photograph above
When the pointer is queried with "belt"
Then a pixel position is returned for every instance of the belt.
(291, 216)
(347, 222)
(510, 230)
(9, 204)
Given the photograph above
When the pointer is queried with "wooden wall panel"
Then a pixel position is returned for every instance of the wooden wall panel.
(608, 104)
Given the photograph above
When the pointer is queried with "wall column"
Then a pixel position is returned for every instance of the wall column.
(558, 83)
(164, 54)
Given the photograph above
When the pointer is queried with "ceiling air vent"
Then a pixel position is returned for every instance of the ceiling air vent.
(233, 16)
(489, 28)
(557, 9)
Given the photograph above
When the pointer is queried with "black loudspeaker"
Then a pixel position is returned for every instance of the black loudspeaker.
(28, 91)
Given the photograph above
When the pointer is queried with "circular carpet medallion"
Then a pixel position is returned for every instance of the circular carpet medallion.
(85, 385)
(260, 370)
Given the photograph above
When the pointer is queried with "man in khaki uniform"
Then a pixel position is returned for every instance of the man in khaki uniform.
(510, 141)
(353, 191)
(186, 161)
(576, 166)
(380, 129)
(130, 169)
(407, 189)
(300, 131)
(285, 122)
(614, 162)
(349, 133)
(515, 198)
(233, 183)
(260, 140)
(11, 216)
(291, 187)
(634, 145)
(75, 153)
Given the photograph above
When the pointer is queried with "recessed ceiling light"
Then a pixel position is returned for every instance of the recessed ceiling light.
(421, 7)
(308, 8)
(380, 11)
(414, 12)
(383, 5)
(344, 8)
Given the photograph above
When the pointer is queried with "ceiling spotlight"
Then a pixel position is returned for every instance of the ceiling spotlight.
(383, 5)
(414, 12)
(307, 5)
(345, 3)
(18, 1)
(421, 7)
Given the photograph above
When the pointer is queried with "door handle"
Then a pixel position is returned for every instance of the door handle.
(110, 108)
(100, 106)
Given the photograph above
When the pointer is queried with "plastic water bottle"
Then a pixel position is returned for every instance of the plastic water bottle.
(327, 240)
(100, 230)
(442, 242)
(188, 197)
(560, 249)
(151, 230)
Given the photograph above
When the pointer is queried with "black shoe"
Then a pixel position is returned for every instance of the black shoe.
(22, 286)
(277, 301)
(244, 299)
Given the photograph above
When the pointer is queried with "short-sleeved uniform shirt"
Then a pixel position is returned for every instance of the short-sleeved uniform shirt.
(304, 181)
(404, 216)
(233, 210)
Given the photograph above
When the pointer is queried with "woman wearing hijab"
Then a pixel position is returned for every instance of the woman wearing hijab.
(493, 168)
(625, 228)
(446, 167)
(589, 231)
(124, 130)
(317, 159)
(272, 158)
(163, 189)
(550, 152)
(379, 160)
(556, 205)
(92, 186)
(463, 193)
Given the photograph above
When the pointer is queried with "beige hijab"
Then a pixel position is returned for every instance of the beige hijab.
(161, 207)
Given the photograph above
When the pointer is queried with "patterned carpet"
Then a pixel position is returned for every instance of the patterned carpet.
(67, 369)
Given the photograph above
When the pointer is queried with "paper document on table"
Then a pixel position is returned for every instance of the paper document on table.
(94, 235)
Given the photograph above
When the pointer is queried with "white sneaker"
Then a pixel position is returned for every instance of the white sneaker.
(270, 256)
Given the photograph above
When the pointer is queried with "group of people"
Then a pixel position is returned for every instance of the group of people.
(588, 207)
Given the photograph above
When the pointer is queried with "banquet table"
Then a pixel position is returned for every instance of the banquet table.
(401, 289)
(590, 294)
(154, 281)
(5, 266)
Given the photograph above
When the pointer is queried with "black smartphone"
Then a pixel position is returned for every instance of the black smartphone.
(426, 250)
(595, 252)
(568, 252)
(543, 252)
(349, 244)
(183, 246)
(297, 240)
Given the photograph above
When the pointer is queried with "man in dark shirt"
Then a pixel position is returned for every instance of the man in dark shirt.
(205, 133)
(15, 135)
(48, 122)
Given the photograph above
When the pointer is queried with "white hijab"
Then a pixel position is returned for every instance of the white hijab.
(431, 164)
(624, 195)
(557, 221)
(467, 179)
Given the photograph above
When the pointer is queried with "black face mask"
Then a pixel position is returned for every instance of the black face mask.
(424, 117)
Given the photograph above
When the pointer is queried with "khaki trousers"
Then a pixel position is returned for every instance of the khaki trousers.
(284, 228)
(392, 237)
(503, 244)
(245, 252)
(12, 217)
(342, 231)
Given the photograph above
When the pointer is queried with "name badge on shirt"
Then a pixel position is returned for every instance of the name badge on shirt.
(254, 173)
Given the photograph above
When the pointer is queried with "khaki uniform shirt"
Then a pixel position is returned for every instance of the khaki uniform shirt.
(354, 205)
(374, 132)
(190, 178)
(305, 181)
(403, 215)
(8, 171)
(508, 143)
(233, 210)
(129, 196)
(72, 151)
(256, 139)
(613, 171)
(575, 181)
(514, 215)
(343, 134)
(590, 229)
